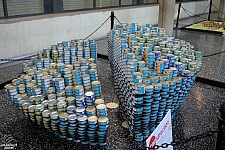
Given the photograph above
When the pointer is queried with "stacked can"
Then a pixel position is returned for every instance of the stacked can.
(103, 123)
(93, 75)
(47, 62)
(67, 55)
(80, 52)
(93, 48)
(86, 81)
(47, 119)
(38, 75)
(77, 79)
(52, 105)
(160, 67)
(69, 91)
(61, 106)
(29, 89)
(38, 113)
(40, 64)
(96, 87)
(82, 128)
(45, 84)
(101, 110)
(150, 60)
(63, 124)
(73, 52)
(59, 83)
(89, 99)
(25, 107)
(172, 93)
(92, 128)
(179, 92)
(55, 122)
(76, 65)
(72, 127)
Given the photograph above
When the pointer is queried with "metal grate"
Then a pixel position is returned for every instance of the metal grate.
(77, 4)
(1, 10)
(24, 7)
(150, 1)
(106, 3)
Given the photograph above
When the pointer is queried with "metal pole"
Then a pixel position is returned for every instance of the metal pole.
(220, 136)
(178, 15)
(5, 9)
(112, 19)
(210, 9)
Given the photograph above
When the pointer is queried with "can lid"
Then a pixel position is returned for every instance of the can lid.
(46, 112)
(103, 119)
(15, 80)
(82, 118)
(7, 86)
(69, 88)
(72, 117)
(99, 101)
(22, 102)
(62, 103)
(61, 99)
(71, 108)
(93, 70)
(80, 109)
(90, 93)
(54, 113)
(137, 73)
(27, 104)
(78, 87)
(101, 106)
(92, 118)
(27, 77)
(59, 79)
(11, 87)
(18, 96)
(90, 108)
(52, 101)
(70, 99)
(32, 107)
(86, 76)
(95, 82)
(39, 106)
(21, 86)
(79, 98)
(63, 115)
(30, 85)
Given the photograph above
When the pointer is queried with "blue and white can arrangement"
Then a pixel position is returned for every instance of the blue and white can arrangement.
(152, 72)
(60, 91)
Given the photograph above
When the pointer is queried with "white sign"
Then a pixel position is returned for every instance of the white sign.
(162, 134)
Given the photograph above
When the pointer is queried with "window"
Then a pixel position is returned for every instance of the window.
(77, 4)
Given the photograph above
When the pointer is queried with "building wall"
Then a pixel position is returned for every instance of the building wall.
(22, 36)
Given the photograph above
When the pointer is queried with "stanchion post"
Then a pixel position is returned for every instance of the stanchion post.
(112, 19)
(210, 10)
(5, 8)
(178, 15)
(220, 135)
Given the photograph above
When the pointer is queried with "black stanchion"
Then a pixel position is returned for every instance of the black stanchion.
(178, 16)
(112, 19)
(220, 135)
(210, 10)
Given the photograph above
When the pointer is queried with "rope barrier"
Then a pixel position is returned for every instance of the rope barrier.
(98, 28)
(187, 12)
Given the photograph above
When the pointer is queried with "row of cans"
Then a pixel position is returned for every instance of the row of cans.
(152, 72)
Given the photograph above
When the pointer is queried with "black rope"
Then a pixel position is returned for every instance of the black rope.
(187, 12)
(214, 54)
(218, 9)
(118, 20)
(98, 28)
